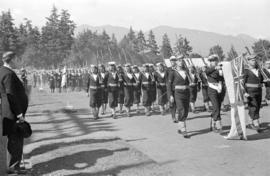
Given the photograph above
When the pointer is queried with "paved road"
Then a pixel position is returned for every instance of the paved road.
(205, 153)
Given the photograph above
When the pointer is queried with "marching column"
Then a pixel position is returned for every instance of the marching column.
(160, 77)
(112, 85)
(146, 89)
(253, 80)
(104, 91)
(171, 103)
(214, 76)
(178, 84)
(129, 80)
(137, 87)
(93, 85)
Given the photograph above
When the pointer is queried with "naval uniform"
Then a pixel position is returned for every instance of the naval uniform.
(121, 92)
(104, 91)
(112, 85)
(153, 89)
(161, 79)
(146, 89)
(193, 88)
(137, 88)
(215, 91)
(128, 80)
(253, 80)
(267, 84)
(93, 85)
(204, 87)
(178, 87)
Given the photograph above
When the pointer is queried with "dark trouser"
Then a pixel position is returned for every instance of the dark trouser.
(182, 103)
(121, 96)
(205, 94)
(95, 98)
(193, 93)
(15, 149)
(104, 96)
(172, 106)
(137, 96)
(254, 105)
(146, 96)
(215, 99)
(153, 92)
(113, 98)
(162, 95)
(267, 96)
(128, 101)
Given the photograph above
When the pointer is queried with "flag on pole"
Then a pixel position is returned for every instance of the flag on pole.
(234, 79)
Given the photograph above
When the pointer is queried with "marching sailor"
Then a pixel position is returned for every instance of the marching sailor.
(137, 87)
(178, 91)
(121, 94)
(146, 89)
(152, 86)
(194, 88)
(253, 80)
(93, 85)
(160, 77)
(204, 88)
(173, 62)
(128, 80)
(104, 91)
(214, 77)
(112, 85)
(267, 84)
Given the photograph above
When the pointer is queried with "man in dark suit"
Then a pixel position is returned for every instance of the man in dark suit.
(14, 107)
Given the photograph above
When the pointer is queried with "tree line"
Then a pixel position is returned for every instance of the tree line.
(55, 44)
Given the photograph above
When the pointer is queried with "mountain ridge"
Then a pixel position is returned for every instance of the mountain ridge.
(200, 40)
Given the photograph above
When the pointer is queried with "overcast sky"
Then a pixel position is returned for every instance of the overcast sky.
(221, 16)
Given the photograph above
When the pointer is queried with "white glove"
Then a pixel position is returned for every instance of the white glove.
(246, 95)
(171, 99)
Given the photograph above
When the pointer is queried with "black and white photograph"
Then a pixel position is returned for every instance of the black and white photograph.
(134, 88)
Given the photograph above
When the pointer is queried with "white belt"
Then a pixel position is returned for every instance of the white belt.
(253, 85)
(113, 85)
(216, 86)
(181, 87)
(162, 84)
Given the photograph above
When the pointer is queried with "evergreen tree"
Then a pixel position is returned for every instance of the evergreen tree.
(262, 49)
(182, 47)
(151, 43)
(218, 51)
(195, 55)
(232, 54)
(166, 49)
(141, 41)
(8, 37)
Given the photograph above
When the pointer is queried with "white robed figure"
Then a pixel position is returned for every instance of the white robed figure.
(64, 78)
(233, 75)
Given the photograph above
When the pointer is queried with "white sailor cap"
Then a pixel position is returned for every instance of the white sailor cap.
(93, 66)
(111, 63)
(173, 58)
(127, 65)
(159, 64)
(151, 65)
(213, 57)
(180, 57)
(145, 65)
(135, 66)
(267, 62)
(252, 56)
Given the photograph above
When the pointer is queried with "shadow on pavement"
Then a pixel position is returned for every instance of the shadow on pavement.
(114, 171)
(70, 162)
